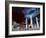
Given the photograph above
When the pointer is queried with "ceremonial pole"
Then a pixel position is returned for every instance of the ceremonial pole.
(37, 22)
(26, 23)
(31, 23)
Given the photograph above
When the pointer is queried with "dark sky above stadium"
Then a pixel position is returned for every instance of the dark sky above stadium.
(19, 13)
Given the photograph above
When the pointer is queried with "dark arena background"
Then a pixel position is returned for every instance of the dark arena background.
(25, 18)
